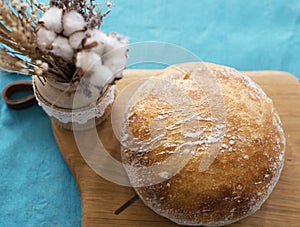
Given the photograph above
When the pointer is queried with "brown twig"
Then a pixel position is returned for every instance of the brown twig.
(127, 204)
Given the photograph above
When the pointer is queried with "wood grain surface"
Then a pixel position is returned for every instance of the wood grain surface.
(100, 198)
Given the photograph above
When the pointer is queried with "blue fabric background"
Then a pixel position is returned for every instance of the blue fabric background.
(36, 187)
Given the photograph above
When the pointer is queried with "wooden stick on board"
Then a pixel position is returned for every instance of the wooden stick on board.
(126, 205)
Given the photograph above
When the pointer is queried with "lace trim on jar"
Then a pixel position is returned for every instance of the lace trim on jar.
(80, 116)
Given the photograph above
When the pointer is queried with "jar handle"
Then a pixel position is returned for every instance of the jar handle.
(22, 103)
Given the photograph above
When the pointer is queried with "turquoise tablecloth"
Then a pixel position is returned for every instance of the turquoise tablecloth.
(36, 187)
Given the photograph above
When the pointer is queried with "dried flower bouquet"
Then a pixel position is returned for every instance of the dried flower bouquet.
(61, 42)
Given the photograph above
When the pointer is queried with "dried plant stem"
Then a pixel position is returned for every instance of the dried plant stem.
(57, 70)
(8, 62)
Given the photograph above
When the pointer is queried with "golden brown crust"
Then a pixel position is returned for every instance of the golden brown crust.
(248, 162)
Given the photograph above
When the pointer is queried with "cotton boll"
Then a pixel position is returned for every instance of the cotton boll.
(116, 61)
(73, 22)
(91, 64)
(115, 41)
(75, 40)
(96, 36)
(116, 57)
(45, 38)
(94, 80)
(100, 76)
(62, 48)
(86, 59)
(51, 19)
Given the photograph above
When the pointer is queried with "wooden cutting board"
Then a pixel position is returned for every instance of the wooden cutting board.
(100, 198)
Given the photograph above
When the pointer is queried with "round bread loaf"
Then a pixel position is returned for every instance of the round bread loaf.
(192, 177)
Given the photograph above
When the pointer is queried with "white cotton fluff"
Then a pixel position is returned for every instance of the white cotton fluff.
(115, 57)
(51, 19)
(116, 61)
(45, 38)
(62, 48)
(95, 80)
(96, 36)
(96, 76)
(115, 41)
(73, 22)
(100, 76)
(75, 40)
(86, 59)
